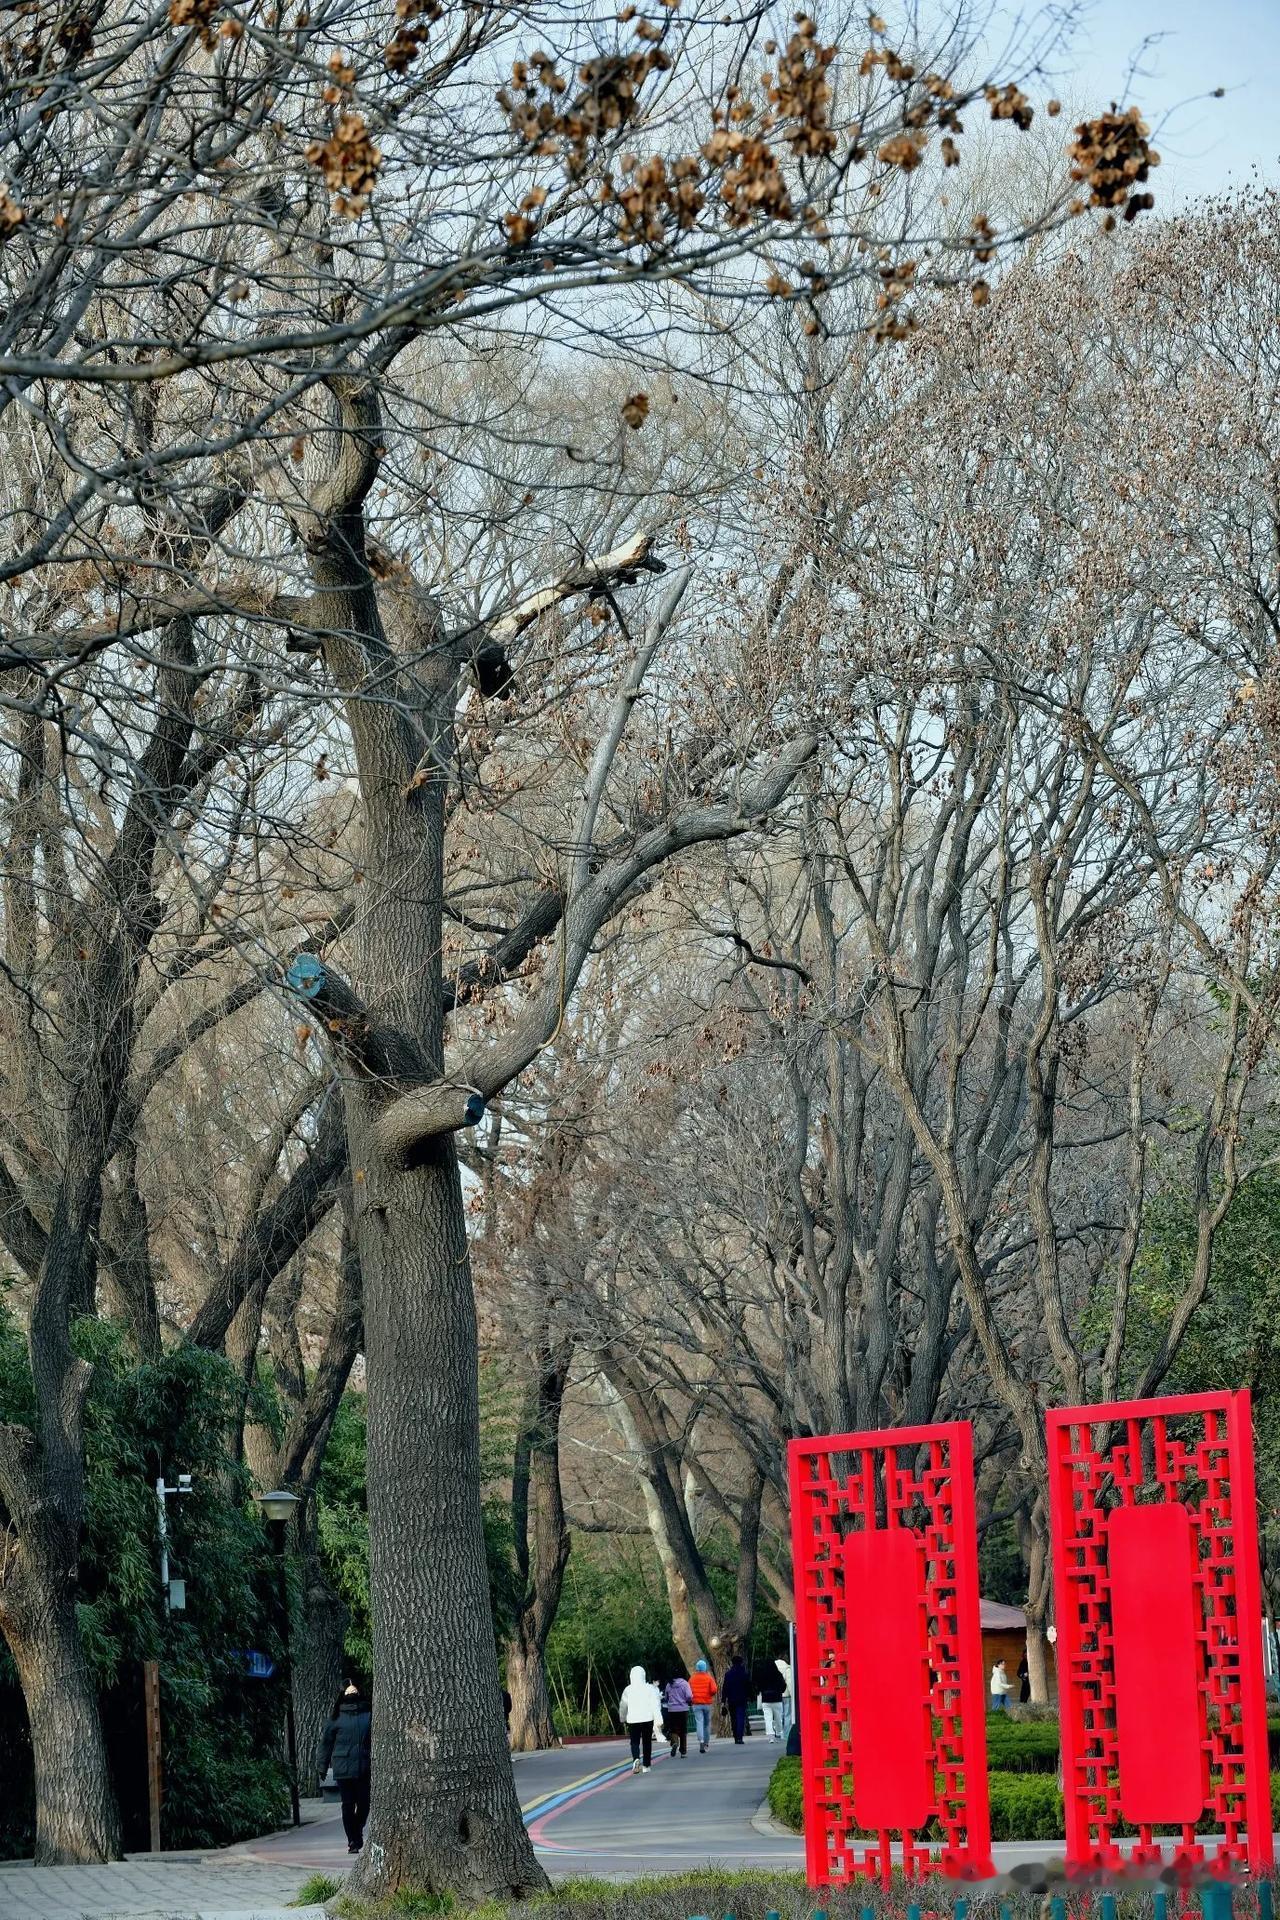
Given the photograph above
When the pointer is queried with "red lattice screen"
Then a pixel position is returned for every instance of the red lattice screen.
(1155, 1563)
(888, 1645)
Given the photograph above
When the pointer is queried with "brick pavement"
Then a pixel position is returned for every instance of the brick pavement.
(144, 1889)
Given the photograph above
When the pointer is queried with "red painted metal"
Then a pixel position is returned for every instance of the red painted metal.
(1160, 1721)
(889, 1654)
(1162, 1702)
(884, 1610)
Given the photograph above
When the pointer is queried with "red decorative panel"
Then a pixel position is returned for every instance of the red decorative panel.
(1159, 1722)
(1155, 1562)
(889, 1654)
(883, 1608)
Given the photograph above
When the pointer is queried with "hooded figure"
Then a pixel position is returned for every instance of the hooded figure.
(639, 1708)
(737, 1694)
(344, 1745)
(702, 1685)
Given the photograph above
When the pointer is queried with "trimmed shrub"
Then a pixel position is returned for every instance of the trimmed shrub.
(1025, 1806)
(786, 1793)
(1021, 1746)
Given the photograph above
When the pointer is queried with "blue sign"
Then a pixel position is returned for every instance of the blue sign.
(256, 1665)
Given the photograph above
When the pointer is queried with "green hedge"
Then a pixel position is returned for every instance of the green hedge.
(786, 1793)
(1024, 1806)
(1021, 1746)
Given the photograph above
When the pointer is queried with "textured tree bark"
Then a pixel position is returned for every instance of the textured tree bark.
(542, 1549)
(445, 1816)
(1039, 1590)
(77, 1822)
(318, 1636)
(532, 1721)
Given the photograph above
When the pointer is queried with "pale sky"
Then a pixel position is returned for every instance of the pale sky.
(1196, 45)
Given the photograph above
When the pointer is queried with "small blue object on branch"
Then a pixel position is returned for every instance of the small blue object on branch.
(474, 1109)
(306, 975)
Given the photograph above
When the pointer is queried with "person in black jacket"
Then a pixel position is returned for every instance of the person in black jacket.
(736, 1693)
(344, 1745)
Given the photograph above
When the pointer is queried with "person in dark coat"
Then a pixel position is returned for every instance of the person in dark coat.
(736, 1693)
(344, 1746)
(1024, 1675)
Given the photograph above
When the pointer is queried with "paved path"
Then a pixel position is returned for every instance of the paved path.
(587, 1812)
(159, 1889)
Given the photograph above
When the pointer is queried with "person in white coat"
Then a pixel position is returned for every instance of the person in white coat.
(1001, 1687)
(788, 1695)
(639, 1709)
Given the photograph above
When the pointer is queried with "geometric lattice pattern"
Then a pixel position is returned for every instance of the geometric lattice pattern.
(872, 1763)
(1122, 1743)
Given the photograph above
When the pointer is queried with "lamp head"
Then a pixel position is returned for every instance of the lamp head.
(279, 1504)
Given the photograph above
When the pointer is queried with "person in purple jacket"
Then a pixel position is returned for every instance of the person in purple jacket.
(676, 1703)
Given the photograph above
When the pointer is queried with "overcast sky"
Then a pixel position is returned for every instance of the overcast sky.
(1195, 45)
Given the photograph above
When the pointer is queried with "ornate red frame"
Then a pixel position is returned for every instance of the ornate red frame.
(1161, 1692)
(885, 1756)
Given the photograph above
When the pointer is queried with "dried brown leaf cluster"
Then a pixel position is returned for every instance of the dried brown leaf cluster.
(799, 94)
(1111, 155)
(416, 18)
(653, 198)
(606, 101)
(194, 13)
(349, 162)
(11, 215)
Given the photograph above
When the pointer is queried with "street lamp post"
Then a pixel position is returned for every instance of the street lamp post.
(278, 1506)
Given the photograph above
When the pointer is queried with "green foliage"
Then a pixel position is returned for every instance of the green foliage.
(1001, 1572)
(179, 1413)
(1021, 1746)
(613, 1615)
(786, 1792)
(315, 1891)
(1025, 1806)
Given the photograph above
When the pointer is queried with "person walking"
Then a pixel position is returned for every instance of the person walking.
(702, 1686)
(737, 1697)
(784, 1668)
(772, 1694)
(1001, 1688)
(1024, 1675)
(639, 1708)
(676, 1702)
(344, 1746)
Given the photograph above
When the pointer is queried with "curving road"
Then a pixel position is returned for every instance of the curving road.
(589, 1814)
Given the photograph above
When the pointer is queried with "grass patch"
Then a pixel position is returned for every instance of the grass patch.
(409, 1904)
(315, 1891)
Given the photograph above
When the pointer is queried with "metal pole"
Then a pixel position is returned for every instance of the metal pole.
(161, 1491)
(151, 1696)
(291, 1732)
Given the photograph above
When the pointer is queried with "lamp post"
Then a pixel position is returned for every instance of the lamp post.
(278, 1506)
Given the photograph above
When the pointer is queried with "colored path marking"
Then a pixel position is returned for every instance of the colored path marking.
(551, 1805)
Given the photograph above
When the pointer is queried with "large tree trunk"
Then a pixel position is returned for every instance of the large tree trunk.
(542, 1546)
(77, 1821)
(1039, 1593)
(318, 1633)
(532, 1722)
(445, 1815)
